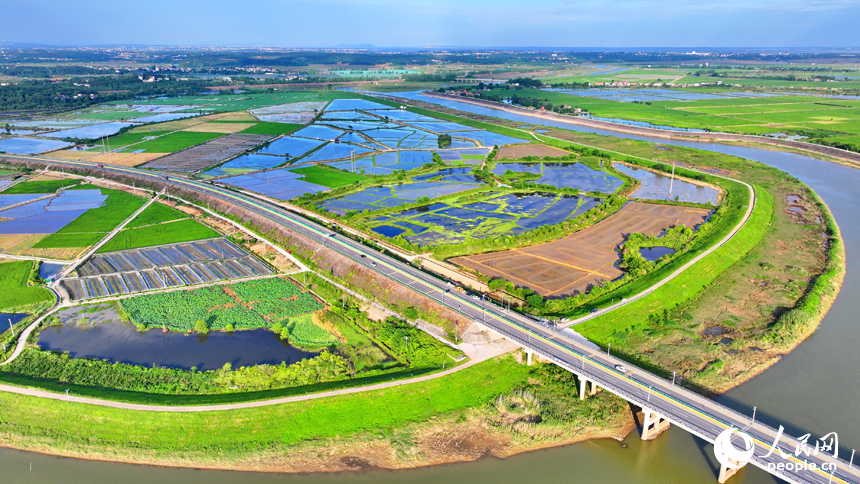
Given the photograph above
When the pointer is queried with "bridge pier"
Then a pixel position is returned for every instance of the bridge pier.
(529, 357)
(653, 425)
(583, 386)
(726, 472)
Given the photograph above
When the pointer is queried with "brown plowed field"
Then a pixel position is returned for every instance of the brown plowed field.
(521, 151)
(575, 263)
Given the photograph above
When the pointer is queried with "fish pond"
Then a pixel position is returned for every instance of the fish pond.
(654, 253)
(121, 342)
(656, 186)
(30, 146)
(378, 198)
(566, 175)
(510, 214)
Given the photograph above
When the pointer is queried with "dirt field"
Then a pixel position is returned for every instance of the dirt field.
(207, 154)
(126, 159)
(72, 155)
(577, 262)
(521, 151)
(220, 127)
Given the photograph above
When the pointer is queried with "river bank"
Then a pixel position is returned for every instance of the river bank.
(845, 157)
(427, 423)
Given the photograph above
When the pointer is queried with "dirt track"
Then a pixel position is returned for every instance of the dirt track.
(575, 263)
(848, 157)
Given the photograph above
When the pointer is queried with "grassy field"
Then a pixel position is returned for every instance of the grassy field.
(243, 432)
(160, 234)
(155, 214)
(44, 186)
(328, 177)
(13, 286)
(272, 128)
(176, 141)
(129, 137)
(746, 115)
(95, 223)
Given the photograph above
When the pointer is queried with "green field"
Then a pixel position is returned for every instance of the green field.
(14, 289)
(759, 115)
(129, 138)
(161, 234)
(328, 177)
(175, 141)
(253, 304)
(155, 214)
(95, 223)
(45, 186)
(272, 128)
(244, 433)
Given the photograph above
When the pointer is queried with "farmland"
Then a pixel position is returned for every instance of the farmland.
(327, 177)
(42, 186)
(95, 223)
(175, 141)
(154, 214)
(251, 304)
(15, 288)
(159, 234)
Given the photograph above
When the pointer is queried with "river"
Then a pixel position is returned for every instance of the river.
(812, 390)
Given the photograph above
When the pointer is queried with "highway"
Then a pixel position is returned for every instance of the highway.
(696, 414)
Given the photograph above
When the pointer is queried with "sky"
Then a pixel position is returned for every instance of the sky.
(418, 23)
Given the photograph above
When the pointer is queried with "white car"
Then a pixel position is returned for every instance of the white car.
(622, 369)
(373, 264)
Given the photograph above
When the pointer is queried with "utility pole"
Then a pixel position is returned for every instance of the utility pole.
(851, 464)
(672, 180)
(673, 379)
(649, 394)
(11, 328)
(608, 346)
(753, 419)
(67, 396)
(407, 343)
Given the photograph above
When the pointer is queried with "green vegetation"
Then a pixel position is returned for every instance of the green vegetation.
(135, 135)
(249, 304)
(155, 214)
(272, 128)
(328, 177)
(302, 331)
(95, 223)
(43, 186)
(16, 287)
(175, 141)
(160, 234)
(185, 434)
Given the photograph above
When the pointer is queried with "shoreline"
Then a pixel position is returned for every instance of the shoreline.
(357, 452)
(847, 158)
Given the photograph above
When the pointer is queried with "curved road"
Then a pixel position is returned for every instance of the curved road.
(698, 415)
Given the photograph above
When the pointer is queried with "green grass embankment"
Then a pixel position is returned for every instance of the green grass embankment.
(632, 318)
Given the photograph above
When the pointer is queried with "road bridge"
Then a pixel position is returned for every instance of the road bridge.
(663, 402)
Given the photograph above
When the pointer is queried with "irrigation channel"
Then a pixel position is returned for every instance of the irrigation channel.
(812, 390)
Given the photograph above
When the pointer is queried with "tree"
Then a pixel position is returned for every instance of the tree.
(201, 327)
(535, 300)
(496, 284)
(444, 140)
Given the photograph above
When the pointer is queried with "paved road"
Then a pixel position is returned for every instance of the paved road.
(698, 415)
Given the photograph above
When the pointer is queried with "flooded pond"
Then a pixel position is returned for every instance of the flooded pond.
(654, 253)
(101, 335)
(8, 319)
(47, 270)
(656, 186)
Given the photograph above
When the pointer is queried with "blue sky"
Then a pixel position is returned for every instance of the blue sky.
(561, 23)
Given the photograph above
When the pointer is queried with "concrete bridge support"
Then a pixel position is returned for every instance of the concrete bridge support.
(653, 425)
(726, 472)
(529, 354)
(583, 386)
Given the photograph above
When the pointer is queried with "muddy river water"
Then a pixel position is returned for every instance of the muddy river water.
(814, 389)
